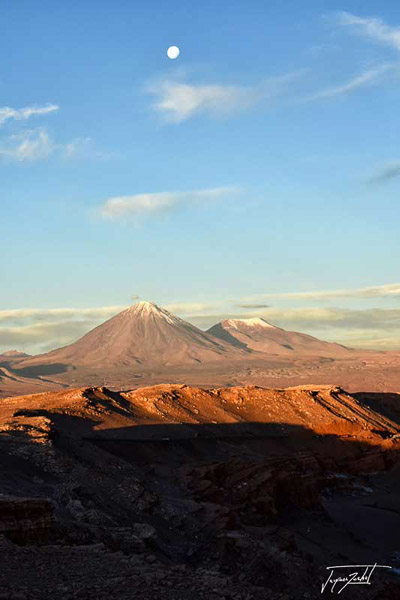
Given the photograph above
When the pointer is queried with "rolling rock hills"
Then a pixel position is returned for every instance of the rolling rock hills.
(172, 491)
(146, 344)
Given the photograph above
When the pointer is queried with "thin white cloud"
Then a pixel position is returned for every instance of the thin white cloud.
(371, 340)
(372, 27)
(323, 318)
(369, 77)
(38, 330)
(391, 290)
(377, 30)
(50, 314)
(22, 114)
(190, 308)
(146, 204)
(31, 145)
(34, 145)
(178, 101)
(42, 337)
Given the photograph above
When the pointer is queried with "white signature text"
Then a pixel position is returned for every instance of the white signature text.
(340, 576)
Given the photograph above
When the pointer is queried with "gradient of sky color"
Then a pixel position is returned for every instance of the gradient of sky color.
(265, 160)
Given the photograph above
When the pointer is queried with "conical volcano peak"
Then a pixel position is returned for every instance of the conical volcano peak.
(142, 335)
(146, 306)
(145, 309)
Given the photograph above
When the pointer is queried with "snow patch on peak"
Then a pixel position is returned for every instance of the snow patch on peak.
(251, 322)
(145, 305)
(144, 308)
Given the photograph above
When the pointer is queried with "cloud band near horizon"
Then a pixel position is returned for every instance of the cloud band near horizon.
(40, 330)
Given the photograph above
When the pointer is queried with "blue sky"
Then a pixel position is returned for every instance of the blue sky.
(258, 173)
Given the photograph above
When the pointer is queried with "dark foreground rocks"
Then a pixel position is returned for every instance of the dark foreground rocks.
(239, 510)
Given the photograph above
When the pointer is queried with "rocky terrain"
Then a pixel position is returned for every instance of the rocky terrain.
(174, 492)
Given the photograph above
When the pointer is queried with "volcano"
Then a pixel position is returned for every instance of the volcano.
(143, 334)
(258, 335)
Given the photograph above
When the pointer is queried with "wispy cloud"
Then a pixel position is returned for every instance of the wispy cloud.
(369, 77)
(23, 114)
(178, 101)
(147, 204)
(41, 337)
(391, 290)
(372, 27)
(252, 306)
(31, 145)
(36, 144)
(372, 339)
(191, 308)
(19, 315)
(324, 318)
(386, 173)
(39, 330)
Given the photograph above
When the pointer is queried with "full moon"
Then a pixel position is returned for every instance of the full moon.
(173, 52)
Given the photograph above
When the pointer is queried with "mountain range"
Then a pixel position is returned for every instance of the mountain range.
(146, 344)
(148, 335)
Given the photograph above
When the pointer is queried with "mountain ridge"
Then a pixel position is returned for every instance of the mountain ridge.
(257, 335)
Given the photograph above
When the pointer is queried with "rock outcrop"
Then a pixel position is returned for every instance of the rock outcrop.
(24, 520)
(172, 491)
